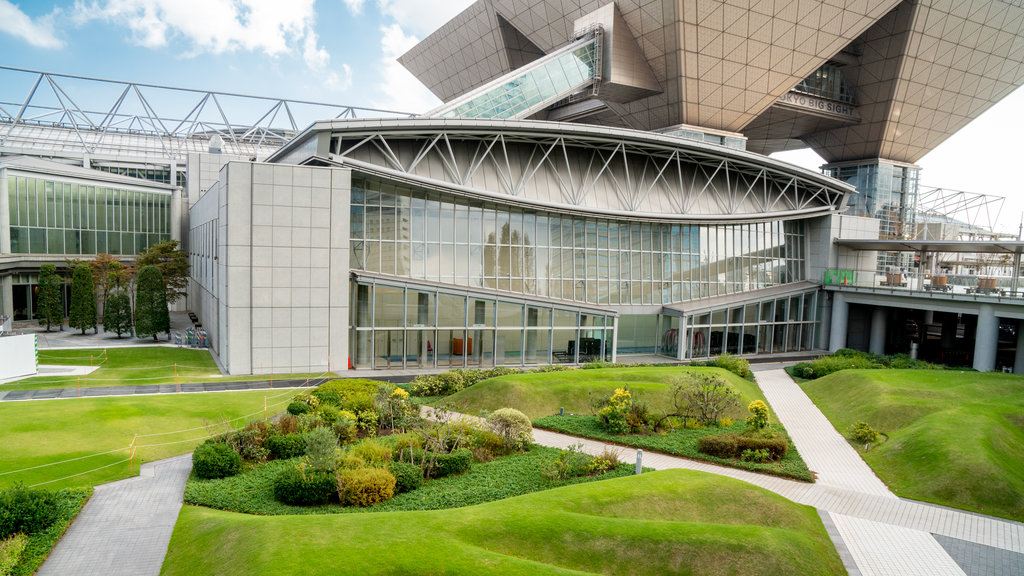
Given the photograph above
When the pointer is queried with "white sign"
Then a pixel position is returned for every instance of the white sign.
(819, 105)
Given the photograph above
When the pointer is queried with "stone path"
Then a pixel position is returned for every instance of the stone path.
(126, 526)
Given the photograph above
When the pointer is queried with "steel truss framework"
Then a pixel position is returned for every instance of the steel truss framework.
(595, 173)
(972, 208)
(177, 120)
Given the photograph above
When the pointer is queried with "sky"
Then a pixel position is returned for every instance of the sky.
(344, 52)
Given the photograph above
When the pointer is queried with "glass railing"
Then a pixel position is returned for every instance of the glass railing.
(525, 91)
(937, 283)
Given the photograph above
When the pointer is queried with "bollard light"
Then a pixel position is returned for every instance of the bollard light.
(639, 461)
(561, 411)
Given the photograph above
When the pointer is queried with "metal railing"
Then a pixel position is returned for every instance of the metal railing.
(928, 283)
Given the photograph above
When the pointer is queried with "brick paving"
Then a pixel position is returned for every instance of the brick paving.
(126, 526)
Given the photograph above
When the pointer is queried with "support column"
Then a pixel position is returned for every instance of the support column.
(840, 317)
(7, 296)
(681, 339)
(878, 323)
(615, 338)
(530, 354)
(986, 339)
(1018, 359)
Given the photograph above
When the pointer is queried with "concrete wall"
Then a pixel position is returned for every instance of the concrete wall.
(823, 255)
(278, 292)
(18, 356)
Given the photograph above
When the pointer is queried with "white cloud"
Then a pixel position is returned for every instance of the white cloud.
(38, 33)
(354, 6)
(421, 17)
(400, 89)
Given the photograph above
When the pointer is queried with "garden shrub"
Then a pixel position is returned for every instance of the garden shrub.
(403, 443)
(328, 413)
(601, 364)
(759, 455)
(365, 486)
(733, 445)
(703, 398)
(804, 370)
(735, 364)
(250, 442)
(372, 452)
(512, 426)
(443, 384)
(454, 463)
(10, 552)
(352, 394)
(487, 445)
(27, 510)
(285, 446)
(613, 414)
(296, 408)
(345, 427)
(304, 486)
(366, 422)
(288, 424)
(607, 460)
(408, 477)
(215, 460)
(551, 368)
(321, 449)
(719, 445)
(758, 418)
(571, 463)
(862, 433)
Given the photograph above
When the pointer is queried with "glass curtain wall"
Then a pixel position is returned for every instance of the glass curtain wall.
(50, 217)
(409, 326)
(771, 326)
(399, 230)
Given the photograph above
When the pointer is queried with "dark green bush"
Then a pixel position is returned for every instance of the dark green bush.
(27, 510)
(215, 460)
(804, 370)
(719, 445)
(286, 446)
(304, 486)
(454, 463)
(733, 445)
(408, 477)
(296, 408)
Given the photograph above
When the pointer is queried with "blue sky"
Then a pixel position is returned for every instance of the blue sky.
(343, 51)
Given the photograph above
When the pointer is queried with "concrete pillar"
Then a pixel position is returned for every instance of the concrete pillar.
(530, 354)
(615, 338)
(681, 339)
(929, 316)
(6, 296)
(176, 211)
(840, 317)
(878, 324)
(1018, 359)
(986, 339)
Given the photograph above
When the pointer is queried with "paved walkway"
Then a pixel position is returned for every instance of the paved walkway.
(126, 526)
(64, 393)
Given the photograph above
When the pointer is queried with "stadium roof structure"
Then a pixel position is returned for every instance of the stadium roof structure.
(46, 111)
(852, 79)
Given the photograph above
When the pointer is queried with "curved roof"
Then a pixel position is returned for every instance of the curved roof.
(574, 167)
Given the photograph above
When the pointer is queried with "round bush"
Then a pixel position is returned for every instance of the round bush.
(303, 487)
(513, 426)
(286, 446)
(297, 408)
(454, 463)
(408, 477)
(365, 486)
(215, 460)
(27, 510)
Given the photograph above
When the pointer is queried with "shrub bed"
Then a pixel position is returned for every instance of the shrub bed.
(847, 359)
(302, 486)
(65, 504)
(286, 446)
(734, 445)
(215, 460)
(408, 477)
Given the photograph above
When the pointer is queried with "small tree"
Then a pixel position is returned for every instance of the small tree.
(108, 274)
(117, 313)
(50, 309)
(151, 315)
(83, 300)
(173, 265)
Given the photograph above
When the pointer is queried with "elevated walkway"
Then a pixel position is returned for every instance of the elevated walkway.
(533, 87)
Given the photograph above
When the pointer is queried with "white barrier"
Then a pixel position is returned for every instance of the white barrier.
(18, 356)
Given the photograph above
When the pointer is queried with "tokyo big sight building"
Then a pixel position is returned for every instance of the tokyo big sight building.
(597, 183)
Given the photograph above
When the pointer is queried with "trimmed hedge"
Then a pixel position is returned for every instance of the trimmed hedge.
(304, 487)
(214, 460)
(286, 446)
(365, 486)
(27, 510)
(733, 445)
(454, 463)
(408, 477)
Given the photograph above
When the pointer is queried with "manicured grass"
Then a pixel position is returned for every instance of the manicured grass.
(679, 443)
(676, 521)
(955, 438)
(41, 543)
(252, 492)
(44, 431)
(539, 395)
(134, 366)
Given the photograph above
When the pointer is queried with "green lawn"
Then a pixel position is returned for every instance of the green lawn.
(955, 438)
(676, 521)
(542, 394)
(133, 366)
(45, 431)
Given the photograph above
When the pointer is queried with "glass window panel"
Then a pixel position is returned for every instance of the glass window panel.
(388, 306)
(451, 310)
(37, 240)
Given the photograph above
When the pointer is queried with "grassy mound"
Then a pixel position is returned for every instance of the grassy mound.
(43, 431)
(539, 395)
(955, 438)
(676, 521)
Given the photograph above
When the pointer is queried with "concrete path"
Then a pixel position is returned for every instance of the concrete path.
(126, 526)
(65, 393)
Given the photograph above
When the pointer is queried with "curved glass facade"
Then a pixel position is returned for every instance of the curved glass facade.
(403, 231)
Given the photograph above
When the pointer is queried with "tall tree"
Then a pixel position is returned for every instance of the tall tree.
(50, 308)
(83, 300)
(173, 265)
(151, 315)
(117, 313)
(108, 272)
